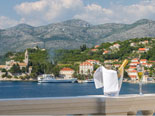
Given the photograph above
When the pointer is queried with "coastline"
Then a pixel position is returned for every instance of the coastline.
(79, 81)
(14, 79)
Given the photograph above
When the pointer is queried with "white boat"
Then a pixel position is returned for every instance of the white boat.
(47, 78)
(88, 81)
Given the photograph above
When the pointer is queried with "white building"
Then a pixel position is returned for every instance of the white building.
(93, 61)
(132, 74)
(86, 68)
(132, 44)
(143, 61)
(115, 46)
(67, 73)
(134, 60)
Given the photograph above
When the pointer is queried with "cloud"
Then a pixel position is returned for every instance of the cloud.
(42, 12)
(47, 11)
(118, 13)
(6, 22)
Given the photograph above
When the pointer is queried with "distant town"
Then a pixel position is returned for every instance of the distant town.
(82, 63)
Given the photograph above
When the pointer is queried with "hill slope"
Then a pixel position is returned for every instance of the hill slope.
(71, 34)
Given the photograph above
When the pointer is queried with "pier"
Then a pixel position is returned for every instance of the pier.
(84, 105)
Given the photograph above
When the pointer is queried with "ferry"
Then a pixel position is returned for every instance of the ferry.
(47, 78)
(88, 81)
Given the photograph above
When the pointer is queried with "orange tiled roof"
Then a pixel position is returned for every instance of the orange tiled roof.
(67, 69)
(86, 64)
(116, 44)
(117, 64)
(92, 60)
(2, 66)
(133, 71)
(22, 64)
(142, 49)
(97, 46)
(143, 60)
(106, 52)
(132, 76)
(135, 63)
(135, 59)
(132, 67)
(94, 50)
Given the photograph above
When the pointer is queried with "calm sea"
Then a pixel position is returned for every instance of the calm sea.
(34, 89)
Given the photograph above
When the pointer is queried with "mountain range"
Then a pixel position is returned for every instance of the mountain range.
(71, 34)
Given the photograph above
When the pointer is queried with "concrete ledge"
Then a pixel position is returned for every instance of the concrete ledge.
(124, 104)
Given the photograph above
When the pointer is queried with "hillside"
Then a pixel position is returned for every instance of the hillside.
(125, 50)
(71, 34)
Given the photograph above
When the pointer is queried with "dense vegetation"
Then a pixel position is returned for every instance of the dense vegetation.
(40, 62)
(125, 51)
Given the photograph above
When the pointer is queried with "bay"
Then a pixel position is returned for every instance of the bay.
(10, 89)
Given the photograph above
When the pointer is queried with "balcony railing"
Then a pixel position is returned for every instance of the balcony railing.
(94, 105)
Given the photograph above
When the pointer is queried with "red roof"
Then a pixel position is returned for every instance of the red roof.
(92, 60)
(116, 44)
(142, 49)
(143, 60)
(134, 63)
(2, 66)
(132, 76)
(67, 69)
(106, 52)
(117, 64)
(86, 64)
(133, 71)
(94, 50)
(97, 46)
(152, 61)
(132, 67)
(22, 64)
(135, 59)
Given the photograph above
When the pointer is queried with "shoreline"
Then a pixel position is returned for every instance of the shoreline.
(14, 79)
(79, 81)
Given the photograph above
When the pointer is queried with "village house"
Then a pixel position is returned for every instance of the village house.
(134, 64)
(142, 50)
(117, 65)
(108, 61)
(97, 46)
(132, 74)
(143, 61)
(9, 64)
(133, 77)
(86, 68)
(145, 76)
(144, 42)
(147, 65)
(131, 68)
(134, 60)
(94, 50)
(106, 52)
(115, 46)
(93, 61)
(132, 44)
(66, 73)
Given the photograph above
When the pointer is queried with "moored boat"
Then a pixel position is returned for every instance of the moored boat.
(47, 78)
(88, 81)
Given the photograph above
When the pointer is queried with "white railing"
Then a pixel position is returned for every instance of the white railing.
(94, 105)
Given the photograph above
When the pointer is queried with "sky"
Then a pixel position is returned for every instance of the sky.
(43, 12)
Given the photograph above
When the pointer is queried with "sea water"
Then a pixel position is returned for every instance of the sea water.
(34, 89)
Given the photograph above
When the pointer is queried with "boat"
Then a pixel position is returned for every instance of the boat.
(47, 78)
(88, 81)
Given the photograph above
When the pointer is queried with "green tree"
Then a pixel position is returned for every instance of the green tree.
(15, 69)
